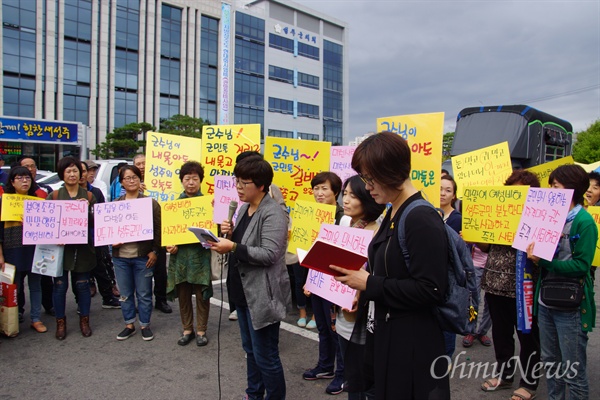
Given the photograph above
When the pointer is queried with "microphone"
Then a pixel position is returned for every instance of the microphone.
(232, 208)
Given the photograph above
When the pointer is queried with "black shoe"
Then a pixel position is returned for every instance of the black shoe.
(126, 333)
(201, 340)
(147, 334)
(163, 306)
(186, 339)
(111, 303)
(51, 312)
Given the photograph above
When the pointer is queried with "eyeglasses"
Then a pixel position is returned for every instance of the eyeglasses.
(131, 178)
(22, 178)
(367, 180)
(241, 183)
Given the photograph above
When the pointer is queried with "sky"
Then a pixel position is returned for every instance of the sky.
(412, 57)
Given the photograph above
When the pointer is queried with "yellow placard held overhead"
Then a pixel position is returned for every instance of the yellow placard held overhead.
(295, 162)
(178, 215)
(491, 214)
(220, 146)
(595, 212)
(12, 206)
(489, 166)
(424, 134)
(307, 218)
(543, 171)
(165, 154)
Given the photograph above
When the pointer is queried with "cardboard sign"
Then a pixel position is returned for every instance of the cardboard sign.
(340, 161)
(220, 146)
(307, 218)
(165, 154)
(543, 171)
(491, 214)
(295, 162)
(328, 288)
(489, 166)
(124, 221)
(12, 206)
(544, 216)
(225, 193)
(178, 215)
(424, 133)
(595, 213)
(55, 222)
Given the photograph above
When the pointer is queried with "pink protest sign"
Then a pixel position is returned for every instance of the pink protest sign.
(354, 239)
(542, 221)
(55, 222)
(340, 161)
(225, 193)
(123, 222)
(328, 288)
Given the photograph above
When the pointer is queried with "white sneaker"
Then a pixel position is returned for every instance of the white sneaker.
(233, 316)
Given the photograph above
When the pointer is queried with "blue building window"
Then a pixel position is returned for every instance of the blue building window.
(281, 43)
(281, 105)
(309, 51)
(209, 47)
(170, 61)
(308, 110)
(333, 91)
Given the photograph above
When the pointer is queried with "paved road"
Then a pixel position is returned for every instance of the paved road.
(37, 366)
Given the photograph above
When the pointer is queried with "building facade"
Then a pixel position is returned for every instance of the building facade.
(107, 63)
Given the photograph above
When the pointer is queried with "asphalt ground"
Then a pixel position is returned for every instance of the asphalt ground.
(37, 366)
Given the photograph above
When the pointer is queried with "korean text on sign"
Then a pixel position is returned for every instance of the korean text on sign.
(178, 215)
(489, 166)
(544, 216)
(221, 144)
(307, 218)
(13, 206)
(165, 154)
(295, 163)
(123, 221)
(424, 133)
(55, 222)
(491, 214)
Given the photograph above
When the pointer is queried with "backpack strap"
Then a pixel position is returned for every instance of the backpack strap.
(402, 223)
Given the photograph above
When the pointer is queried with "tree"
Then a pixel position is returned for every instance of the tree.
(448, 139)
(183, 125)
(123, 142)
(587, 148)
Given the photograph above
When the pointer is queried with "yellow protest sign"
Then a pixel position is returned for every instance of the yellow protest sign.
(12, 206)
(165, 154)
(424, 134)
(491, 214)
(595, 212)
(178, 215)
(489, 166)
(307, 218)
(295, 162)
(220, 146)
(543, 171)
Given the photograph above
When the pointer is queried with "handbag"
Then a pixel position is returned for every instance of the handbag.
(562, 292)
(48, 260)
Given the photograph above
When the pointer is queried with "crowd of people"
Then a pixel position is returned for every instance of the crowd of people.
(373, 350)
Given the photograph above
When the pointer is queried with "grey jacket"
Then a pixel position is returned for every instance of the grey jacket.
(264, 277)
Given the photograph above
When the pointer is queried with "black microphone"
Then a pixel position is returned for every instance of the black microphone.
(232, 208)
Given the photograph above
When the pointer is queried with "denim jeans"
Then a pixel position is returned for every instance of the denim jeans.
(82, 287)
(329, 349)
(134, 278)
(264, 369)
(564, 343)
(484, 319)
(35, 293)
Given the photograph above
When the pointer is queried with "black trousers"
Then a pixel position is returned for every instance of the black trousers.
(160, 277)
(503, 311)
(47, 290)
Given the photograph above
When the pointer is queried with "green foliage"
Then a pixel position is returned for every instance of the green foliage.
(587, 148)
(183, 125)
(123, 142)
(447, 141)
